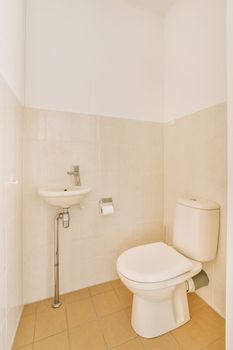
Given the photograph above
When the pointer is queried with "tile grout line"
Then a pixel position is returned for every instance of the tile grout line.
(74, 291)
(34, 333)
(49, 336)
(125, 342)
(176, 341)
(117, 297)
(97, 320)
(212, 343)
(67, 326)
(196, 310)
(144, 347)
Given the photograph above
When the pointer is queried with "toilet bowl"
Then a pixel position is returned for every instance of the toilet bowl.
(156, 273)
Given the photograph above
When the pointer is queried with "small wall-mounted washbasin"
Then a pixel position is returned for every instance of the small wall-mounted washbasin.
(63, 196)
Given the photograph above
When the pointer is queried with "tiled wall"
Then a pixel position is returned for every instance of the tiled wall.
(11, 123)
(119, 158)
(196, 165)
(122, 159)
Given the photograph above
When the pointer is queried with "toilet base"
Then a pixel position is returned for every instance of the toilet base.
(155, 316)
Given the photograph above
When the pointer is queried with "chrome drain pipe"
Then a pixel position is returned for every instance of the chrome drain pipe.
(64, 216)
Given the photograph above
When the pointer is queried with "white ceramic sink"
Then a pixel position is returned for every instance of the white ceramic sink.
(63, 196)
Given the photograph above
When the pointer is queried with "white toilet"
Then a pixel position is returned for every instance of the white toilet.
(157, 274)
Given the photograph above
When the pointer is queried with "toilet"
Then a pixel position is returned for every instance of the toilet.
(158, 274)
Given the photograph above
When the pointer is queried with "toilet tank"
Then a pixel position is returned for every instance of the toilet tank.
(196, 228)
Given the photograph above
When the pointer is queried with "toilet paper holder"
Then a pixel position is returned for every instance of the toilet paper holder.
(106, 201)
(106, 206)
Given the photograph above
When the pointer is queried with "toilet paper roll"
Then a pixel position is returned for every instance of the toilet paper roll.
(106, 210)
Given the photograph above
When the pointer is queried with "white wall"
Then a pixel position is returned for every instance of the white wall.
(195, 56)
(12, 25)
(95, 57)
(12, 29)
(229, 313)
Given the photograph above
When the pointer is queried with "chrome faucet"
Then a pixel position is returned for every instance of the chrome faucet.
(76, 175)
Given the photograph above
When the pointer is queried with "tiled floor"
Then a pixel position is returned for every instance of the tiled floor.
(98, 318)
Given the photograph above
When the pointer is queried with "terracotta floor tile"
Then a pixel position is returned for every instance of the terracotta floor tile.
(116, 329)
(27, 347)
(125, 296)
(101, 288)
(87, 337)
(77, 295)
(80, 312)
(50, 323)
(210, 322)
(55, 342)
(191, 336)
(25, 331)
(30, 309)
(128, 312)
(163, 342)
(134, 344)
(195, 302)
(218, 345)
(117, 284)
(99, 318)
(106, 303)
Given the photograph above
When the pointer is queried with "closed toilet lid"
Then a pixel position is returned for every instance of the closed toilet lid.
(155, 262)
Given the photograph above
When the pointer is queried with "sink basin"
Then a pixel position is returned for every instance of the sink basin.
(63, 196)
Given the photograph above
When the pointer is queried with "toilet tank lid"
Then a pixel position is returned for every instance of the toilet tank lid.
(198, 203)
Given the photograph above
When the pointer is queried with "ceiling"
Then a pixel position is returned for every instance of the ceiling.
(158, 6)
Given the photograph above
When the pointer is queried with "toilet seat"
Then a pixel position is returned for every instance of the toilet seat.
(153, 263)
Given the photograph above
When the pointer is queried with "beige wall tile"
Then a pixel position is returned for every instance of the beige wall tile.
(87, 337)
(196, 165)
(55, 342)
(119, 158)
(84, 128)
(34, 124)
(58, 126)
(11, 152)
(116, 329)
(80, 312)
(106, 303)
